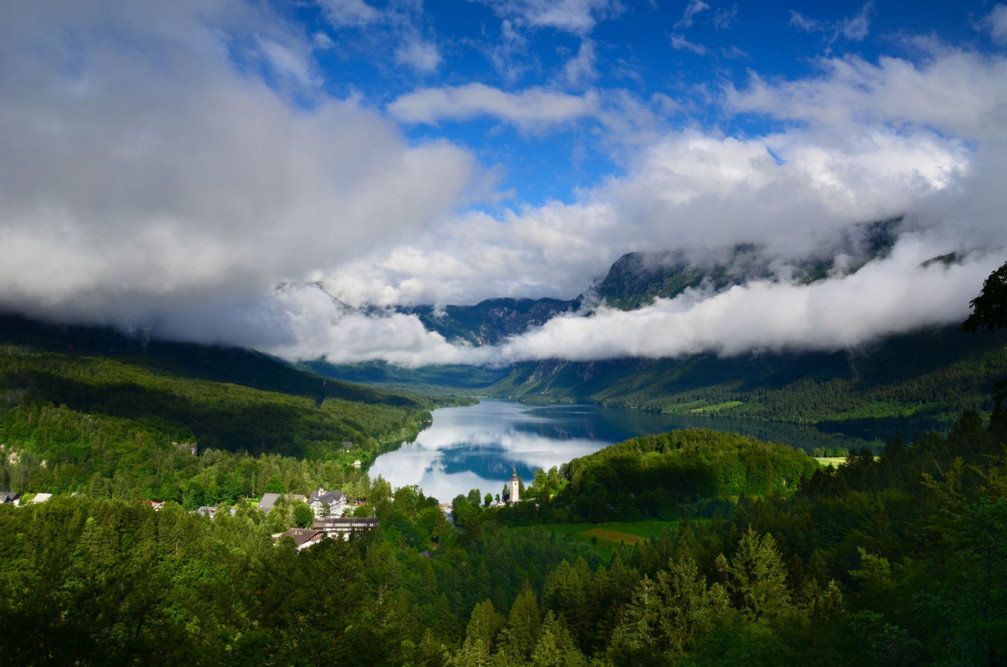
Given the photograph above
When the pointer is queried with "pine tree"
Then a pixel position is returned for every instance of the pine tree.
(757, 577)
(555, 647)
(518, 639)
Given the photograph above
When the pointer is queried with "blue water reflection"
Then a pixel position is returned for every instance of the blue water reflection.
(477, 447)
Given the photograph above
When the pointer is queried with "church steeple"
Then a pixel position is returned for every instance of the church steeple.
(514, 494)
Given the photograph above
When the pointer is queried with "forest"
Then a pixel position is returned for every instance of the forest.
(897, 560)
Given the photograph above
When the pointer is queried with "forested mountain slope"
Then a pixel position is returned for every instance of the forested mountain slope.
(79, 405)
(929, 376)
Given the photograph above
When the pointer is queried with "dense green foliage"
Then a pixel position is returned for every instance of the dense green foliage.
(650, 477)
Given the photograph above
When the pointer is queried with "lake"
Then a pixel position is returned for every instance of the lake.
(477, 446)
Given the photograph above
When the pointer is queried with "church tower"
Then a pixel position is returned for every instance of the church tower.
(514, 494)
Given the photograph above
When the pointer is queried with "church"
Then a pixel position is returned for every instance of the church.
(512, 494)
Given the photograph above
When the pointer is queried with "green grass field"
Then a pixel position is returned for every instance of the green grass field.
(826, 461)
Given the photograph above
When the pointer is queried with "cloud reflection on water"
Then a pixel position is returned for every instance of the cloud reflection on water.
(475, 447)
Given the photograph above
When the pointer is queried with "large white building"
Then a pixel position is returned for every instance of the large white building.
(327, 503)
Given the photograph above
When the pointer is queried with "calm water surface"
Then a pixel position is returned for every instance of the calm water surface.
(477, 446)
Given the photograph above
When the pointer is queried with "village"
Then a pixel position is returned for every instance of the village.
(329, 509)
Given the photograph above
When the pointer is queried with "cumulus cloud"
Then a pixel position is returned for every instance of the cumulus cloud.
(133, 188)
(530, 107)
(341, 13)
(420, 55)
(554, 250)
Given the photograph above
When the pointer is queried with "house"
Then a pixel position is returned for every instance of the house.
(41, 497)
(9, 498)
(347, 446)
(269, 499)
(327, 503)
(302, 537)
(343, 527)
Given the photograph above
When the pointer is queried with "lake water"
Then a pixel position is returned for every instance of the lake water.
(477, 446)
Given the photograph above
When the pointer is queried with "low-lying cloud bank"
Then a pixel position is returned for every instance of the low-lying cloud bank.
(900, 293)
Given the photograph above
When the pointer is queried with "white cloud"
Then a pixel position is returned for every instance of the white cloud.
(322, 41)
(580, 69)
(421, 56)
(723, 18)
(529, 108)
(852, 28)
(960, 93)
(554, 250)
(575, 16)
(765, 316)
(138, 189)
(856, 28)
(762, 316)
(349, 13)
(289, 63)
(996, 23)
(688, 16)
(680, 43)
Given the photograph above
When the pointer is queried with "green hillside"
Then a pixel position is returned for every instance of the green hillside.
(80, 405)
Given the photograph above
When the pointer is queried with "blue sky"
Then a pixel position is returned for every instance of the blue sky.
(281, 175)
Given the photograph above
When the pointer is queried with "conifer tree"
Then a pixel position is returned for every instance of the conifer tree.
(555, 647)
(757, 577)
(521, 634)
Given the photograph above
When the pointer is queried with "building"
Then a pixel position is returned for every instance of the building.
(302, 537)
(9, 498)
(269, 499)
(205, 510)
(343, 527)
(327, 503)
(514, 488)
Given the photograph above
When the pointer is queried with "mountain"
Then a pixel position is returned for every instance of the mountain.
(490, 322)
(919, 380)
